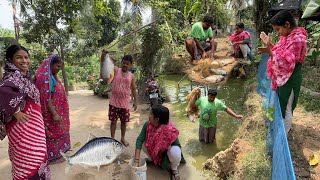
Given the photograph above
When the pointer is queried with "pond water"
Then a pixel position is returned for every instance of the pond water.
(231, 93)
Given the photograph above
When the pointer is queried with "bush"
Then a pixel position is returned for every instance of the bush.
(102, 89)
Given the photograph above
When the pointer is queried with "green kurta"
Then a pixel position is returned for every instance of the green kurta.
(294, 83)
(165, 163)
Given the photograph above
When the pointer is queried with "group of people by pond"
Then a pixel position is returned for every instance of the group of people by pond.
(35, 111)
(201, 40)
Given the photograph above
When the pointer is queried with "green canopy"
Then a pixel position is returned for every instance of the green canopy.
(312, 10)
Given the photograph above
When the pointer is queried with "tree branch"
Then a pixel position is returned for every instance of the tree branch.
(130, 34)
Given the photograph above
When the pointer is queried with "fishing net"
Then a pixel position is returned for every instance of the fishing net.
(277, 143)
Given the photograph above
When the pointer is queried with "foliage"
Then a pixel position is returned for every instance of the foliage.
(6, 38)
(96, 27)
(261, 15)
(191, 8)
(150, 49)
(6, 32)
(313, 29)
(102, 89)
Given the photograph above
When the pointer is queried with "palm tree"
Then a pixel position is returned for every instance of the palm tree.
(136, 10)
(23, 10)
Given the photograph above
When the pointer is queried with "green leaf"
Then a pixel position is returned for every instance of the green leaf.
(269, 113)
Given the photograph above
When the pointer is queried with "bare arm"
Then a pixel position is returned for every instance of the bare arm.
(198, 43)
(230, 112)
(53, 112)
(134, 92)
(137, 157)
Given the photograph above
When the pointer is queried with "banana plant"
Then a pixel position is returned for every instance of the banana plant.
(191, 9)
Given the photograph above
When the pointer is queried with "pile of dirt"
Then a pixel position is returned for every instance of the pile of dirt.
(226, 162)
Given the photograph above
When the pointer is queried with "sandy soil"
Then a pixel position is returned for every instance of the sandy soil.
(304, 140)
(89, 114)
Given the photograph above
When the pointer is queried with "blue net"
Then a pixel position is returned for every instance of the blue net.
(277, 143)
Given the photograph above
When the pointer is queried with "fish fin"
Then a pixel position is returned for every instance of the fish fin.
(68, 164)
(91, 136)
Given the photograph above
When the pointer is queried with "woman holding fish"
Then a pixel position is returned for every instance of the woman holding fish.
(55, 108)
(159, 140)
(123, 85)
(20, 112)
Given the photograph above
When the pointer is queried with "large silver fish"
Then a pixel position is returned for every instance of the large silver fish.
(96, 152)
(107, 69)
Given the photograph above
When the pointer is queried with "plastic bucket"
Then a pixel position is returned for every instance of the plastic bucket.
(138, 173)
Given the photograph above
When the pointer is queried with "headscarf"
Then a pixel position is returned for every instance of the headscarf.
(15, 88)
(43, 81)
(160, 139)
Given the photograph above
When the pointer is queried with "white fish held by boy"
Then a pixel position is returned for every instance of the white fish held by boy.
(107, 69)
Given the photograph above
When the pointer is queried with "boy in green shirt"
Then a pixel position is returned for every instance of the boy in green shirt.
(209, 106)
(196, 43)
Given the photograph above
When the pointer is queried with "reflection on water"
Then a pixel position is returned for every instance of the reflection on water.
(231, 93)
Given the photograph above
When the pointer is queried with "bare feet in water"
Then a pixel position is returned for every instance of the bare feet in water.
(124, 142)
(57, 161)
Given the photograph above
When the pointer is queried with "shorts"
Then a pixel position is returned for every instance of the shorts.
(207, 135)
(121, 113)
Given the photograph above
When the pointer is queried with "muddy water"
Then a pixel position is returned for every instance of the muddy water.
(231, 93)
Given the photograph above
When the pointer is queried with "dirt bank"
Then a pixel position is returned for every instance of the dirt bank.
(304, 140)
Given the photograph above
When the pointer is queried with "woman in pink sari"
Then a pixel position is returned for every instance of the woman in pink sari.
(285, 63)
(20, 115)
(241, 42)
(55, 108)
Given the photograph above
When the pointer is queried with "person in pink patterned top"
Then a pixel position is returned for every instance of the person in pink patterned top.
(123, 83)
(285, 63)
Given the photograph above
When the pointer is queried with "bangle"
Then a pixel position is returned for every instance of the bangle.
(18, 110)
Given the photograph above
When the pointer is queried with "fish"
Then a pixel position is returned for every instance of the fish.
(218, 71)
(96, 152)
(214, 78)
(191, 109)
(107, 69)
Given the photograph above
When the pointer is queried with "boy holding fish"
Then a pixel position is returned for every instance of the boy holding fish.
(123, 82)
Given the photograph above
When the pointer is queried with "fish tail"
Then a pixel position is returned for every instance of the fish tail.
(68, 164)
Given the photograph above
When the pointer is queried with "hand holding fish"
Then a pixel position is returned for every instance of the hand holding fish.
(103, 54)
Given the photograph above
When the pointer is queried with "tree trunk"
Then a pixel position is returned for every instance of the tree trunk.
(64, 74)
(15, 20)
(1, 72)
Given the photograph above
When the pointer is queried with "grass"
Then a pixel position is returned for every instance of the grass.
(256, 163)
(309, 103)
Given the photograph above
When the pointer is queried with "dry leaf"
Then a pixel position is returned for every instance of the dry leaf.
(313, 160)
